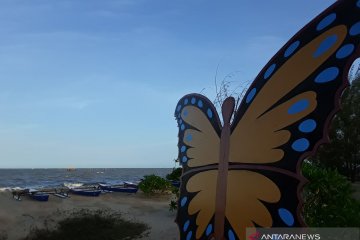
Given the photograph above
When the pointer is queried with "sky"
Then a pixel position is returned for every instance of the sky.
(95, 83)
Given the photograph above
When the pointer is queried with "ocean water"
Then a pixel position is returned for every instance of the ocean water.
(44, 178)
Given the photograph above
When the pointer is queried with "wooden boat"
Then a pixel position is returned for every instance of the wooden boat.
(86, 192)
(130, 184)
(61, 193)
(32, 193)
(39, 196)
(118, 188)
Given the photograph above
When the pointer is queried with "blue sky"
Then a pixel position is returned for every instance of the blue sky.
(95, 83)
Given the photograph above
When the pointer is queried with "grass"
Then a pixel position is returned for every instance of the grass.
(91, 225)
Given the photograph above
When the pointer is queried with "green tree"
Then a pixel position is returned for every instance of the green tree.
(152, 184)
(175, 174)
(328, 199)
(343, 151)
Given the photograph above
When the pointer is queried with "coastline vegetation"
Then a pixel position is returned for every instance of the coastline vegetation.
(90, 225)
(174, 176)
(153, 184)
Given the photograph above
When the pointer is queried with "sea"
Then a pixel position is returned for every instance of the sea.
(54, 178)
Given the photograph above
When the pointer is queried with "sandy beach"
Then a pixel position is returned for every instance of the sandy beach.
(18, 217)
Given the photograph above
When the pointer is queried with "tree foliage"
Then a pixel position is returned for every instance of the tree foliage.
(328, 199)
(152, 184)
(343, 151)
(175, 174)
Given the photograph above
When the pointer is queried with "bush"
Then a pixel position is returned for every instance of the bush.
(153, 184)
(173, 205)
(91, 225)
(174, 175)
(328, 200)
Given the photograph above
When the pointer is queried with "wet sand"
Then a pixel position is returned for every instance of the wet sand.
(17, 217)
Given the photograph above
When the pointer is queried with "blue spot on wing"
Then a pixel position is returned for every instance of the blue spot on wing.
(251, 95)
(208, 230)
(327, 75)
(300, 145)
(183, 149)
(182, 127)
(189, 235)
(326, 21)
(209, 113)
(189, 137)
(355, 29)
(291, 49)
(193, 100)
(307, 126)
(200, 104)
(299, 106)
(325, 45)
(178, 108)
(185, 113)
(269, 71)
(183, 201)
(286, 216)
(186, 101)
(345, 51)
(184, 159)
(186, 225)
(231, 235)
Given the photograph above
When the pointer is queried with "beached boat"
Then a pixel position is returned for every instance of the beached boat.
(61, 193)
(131, 184)
(86, 192)
(32, 193)
(118, 188)
(39, 196)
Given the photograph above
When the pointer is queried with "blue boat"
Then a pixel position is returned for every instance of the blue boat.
(86, 192)
(121, 188)
(39, 196)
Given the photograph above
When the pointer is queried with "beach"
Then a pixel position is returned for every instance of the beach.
(18, 217)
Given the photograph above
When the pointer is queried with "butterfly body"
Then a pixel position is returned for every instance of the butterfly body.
(247, 173)
(227, 111)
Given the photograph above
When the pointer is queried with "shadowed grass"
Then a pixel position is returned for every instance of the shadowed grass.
(91, 225)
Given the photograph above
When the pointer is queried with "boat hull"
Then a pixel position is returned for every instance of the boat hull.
(40, 197)
(88, 193)
(119, 189)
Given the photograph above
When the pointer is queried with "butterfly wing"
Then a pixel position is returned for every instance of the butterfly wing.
(302, 82)
(196, 208)
(285, 114)
(199, 131)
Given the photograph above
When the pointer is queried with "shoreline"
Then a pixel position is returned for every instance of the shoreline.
(17, 217)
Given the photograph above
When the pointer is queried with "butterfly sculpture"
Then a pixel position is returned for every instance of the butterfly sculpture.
(246, 173)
